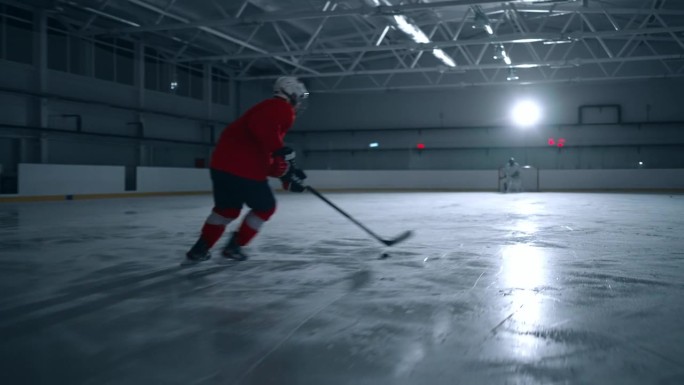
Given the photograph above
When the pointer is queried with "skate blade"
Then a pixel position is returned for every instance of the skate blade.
(231, 258)
(227, 260)
(190, 262)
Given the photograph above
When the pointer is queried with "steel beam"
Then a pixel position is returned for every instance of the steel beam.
(223, 35)
(494, 66)
(443, 86)
(378, 11)
(502, 39)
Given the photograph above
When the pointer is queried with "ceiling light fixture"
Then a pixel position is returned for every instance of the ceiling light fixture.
(559, 41)
(482, 21)
(512, 75)
(419, 36)
(413, 31)
(500, 53)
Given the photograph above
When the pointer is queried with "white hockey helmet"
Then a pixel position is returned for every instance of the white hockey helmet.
(291, 89)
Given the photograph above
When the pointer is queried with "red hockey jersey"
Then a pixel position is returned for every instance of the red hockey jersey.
(245, 146)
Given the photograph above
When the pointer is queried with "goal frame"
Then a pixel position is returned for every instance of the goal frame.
(530, 179)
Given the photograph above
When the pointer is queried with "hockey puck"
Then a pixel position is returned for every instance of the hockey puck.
(384, 255)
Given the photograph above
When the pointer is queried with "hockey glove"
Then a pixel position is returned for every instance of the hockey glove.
(286, 153)
(292, 177)
(280, 163)
(293, 180)
(279, 167)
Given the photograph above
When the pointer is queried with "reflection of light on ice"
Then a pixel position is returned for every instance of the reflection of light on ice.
(525, 207)
(524, 269)
(412, 355)
(525, 226)
(523, 266)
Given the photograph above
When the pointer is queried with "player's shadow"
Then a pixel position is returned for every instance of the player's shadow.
(360, 279)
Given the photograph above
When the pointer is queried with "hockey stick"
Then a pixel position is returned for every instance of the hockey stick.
(388, 242)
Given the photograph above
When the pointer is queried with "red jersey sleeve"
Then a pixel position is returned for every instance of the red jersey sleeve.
(270, 125)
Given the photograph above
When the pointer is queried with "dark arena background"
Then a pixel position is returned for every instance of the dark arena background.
(495, 192)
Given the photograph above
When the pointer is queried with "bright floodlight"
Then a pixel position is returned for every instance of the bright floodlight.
(526, 113)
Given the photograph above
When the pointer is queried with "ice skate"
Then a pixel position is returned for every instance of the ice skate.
(233, 251)
(198, 253)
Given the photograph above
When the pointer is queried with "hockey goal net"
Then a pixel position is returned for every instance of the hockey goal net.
(530, 179)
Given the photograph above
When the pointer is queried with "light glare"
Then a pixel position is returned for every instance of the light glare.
(446, 59)
(526, 113)
(416, 34)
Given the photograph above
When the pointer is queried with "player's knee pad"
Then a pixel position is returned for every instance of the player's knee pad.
(264, 214)
(255, 219)
(222, 217)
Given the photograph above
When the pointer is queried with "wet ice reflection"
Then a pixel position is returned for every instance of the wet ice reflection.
(524, 272)
(523, 266)
(526, 227)
(525, 207)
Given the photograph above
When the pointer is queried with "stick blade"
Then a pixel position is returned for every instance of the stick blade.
(399, 238)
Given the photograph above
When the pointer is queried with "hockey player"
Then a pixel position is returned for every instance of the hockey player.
(249, 150)
(513, 177)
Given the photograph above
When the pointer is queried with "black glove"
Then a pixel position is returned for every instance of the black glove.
(286, 153)
(293, 180)
(280, 163)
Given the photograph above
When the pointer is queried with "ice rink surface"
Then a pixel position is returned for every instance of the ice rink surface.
(544, 288)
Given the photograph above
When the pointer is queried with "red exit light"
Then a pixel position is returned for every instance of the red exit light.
(553, 142)
(420, 146)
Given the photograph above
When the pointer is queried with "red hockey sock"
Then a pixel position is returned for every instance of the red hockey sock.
(245, 234)
(216, 224)
(251, 224)
(212, 233)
